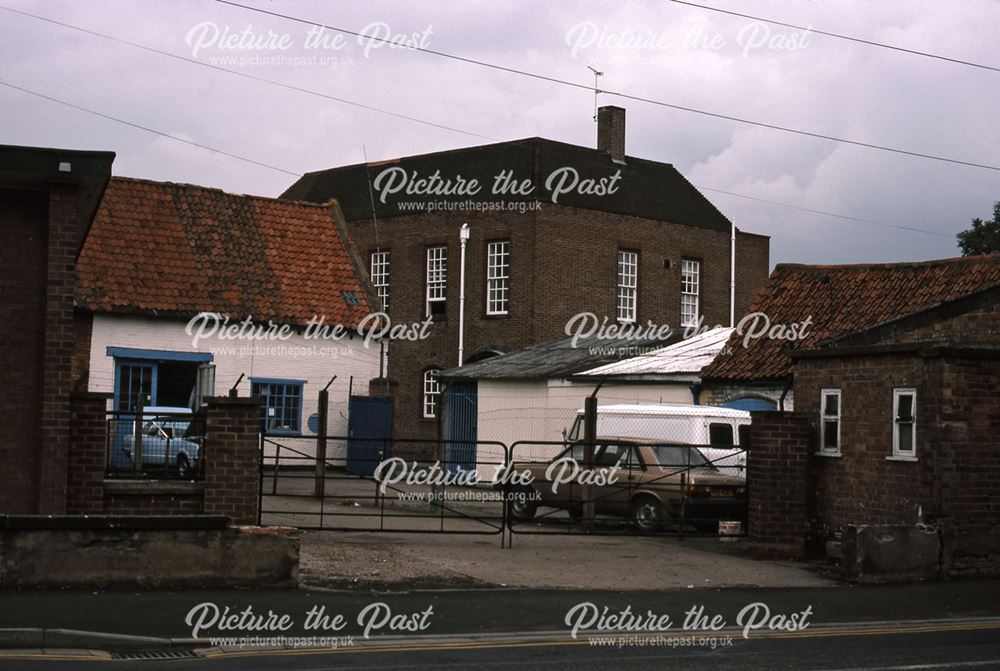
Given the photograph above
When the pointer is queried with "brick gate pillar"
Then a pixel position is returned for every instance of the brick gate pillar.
(232, 461)
(779, 483)
(87, 453)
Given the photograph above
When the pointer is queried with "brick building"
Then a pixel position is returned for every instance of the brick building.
(47, 201)
(554, 230)
(159, 253)
(897, 408)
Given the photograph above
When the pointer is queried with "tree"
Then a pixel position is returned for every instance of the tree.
(983, 237)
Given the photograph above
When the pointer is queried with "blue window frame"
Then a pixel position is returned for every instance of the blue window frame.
(131, 379)
(281, 404)
(137, 371)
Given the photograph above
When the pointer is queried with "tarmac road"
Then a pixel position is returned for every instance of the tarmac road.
(933, 626)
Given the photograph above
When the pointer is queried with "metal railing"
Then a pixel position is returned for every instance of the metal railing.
(538, 487)
(155, 445)
(365, 487)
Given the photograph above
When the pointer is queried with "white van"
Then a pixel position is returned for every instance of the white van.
(721, 434)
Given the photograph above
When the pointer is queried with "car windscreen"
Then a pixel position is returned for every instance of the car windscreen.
(678, 456)
(179, 426)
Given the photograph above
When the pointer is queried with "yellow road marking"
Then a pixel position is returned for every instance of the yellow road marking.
(486, 645)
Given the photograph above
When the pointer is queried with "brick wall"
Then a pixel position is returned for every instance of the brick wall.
(778, 480)
(85, 477)
(231, 460)
(963, 434)
(154, 504)
(862, 486)
(23, 258)
(957, 472)
(230, 467)
(60, 288)
(563, 261)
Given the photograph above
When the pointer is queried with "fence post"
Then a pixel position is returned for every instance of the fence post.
(589, 439)
(137, 432)
(324, 410)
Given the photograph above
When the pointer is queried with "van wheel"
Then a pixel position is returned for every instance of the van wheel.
(183, 467)
(647, 514)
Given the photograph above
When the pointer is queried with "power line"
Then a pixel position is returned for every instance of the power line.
(619, 94)
(147, 129)
(296, 174)
(839, 36)
(245, 75)
(828, 214)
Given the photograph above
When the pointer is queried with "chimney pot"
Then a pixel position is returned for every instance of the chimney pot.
(611, 131)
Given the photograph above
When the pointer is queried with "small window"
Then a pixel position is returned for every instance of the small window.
(380, 276)
(830, 421)
(628, 282)
(743, 433)
(497, 277)
(690, 291)
(904, 423)
(432, 392)
(281, 404)
(720, 435)
(437, 280)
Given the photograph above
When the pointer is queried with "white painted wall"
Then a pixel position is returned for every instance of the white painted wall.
(296, 358)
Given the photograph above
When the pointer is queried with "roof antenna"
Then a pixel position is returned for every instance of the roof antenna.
(596, 90)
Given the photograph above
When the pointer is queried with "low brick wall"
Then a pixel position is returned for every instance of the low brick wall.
(230, 466)
(143, 553)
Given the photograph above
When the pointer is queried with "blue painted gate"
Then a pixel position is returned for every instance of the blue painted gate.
(460, 416)
(369, 430)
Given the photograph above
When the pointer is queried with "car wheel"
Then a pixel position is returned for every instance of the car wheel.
(647, 514)
(183, 467)
(522, 507)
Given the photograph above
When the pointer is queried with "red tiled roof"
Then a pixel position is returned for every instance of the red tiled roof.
(182, 249)
(844, 299)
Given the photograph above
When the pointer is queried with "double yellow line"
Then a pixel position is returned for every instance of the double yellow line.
(875, 629)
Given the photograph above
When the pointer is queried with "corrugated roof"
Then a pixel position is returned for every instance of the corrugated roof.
(556, 359)
(841, 300)
(159, 247)
(688, 356)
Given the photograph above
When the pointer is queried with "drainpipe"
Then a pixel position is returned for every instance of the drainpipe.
(732, 277)
(463, 235)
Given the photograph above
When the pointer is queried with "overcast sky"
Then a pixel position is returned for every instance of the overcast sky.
(670, 52)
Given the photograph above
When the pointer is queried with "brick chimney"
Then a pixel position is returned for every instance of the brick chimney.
(611, 131)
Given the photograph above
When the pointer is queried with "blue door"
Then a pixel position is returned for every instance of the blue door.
(369, 428)
(460, 416)
(750, 403)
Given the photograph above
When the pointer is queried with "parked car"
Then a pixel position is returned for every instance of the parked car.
(653, 485)
(171, 442)
(720, 433)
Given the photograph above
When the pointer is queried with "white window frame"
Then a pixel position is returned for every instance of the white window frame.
(690, 292)
(824, 418)
(437, 276)
(380, 276)
(628, 286)
(906, 455)
(431, 392)
(497, 277)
